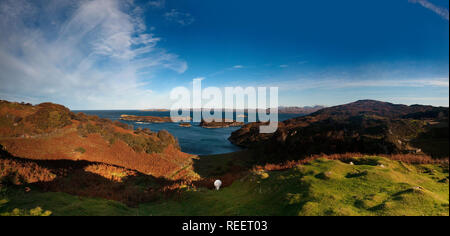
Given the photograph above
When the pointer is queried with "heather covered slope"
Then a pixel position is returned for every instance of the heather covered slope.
(371, 186)
(365, 126)
(52, 132)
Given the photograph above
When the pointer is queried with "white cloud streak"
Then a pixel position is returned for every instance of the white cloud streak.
(85, 54)
(157, 3)
(305, 84)
(181, 18)
(443, 12)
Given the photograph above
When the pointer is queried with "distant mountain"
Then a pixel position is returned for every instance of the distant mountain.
(365, 126)
(281, 110)
(384, 109)
(299, 110)
(158, 110)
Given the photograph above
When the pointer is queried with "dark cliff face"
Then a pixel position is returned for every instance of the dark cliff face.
(365, 126)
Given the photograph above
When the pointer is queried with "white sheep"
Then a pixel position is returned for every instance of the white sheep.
(217, 184)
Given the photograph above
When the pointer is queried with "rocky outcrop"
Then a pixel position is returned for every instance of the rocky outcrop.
(248, 136)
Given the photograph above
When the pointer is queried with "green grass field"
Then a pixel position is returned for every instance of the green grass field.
(372, 186)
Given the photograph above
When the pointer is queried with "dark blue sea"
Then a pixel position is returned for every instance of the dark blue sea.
(195, 139)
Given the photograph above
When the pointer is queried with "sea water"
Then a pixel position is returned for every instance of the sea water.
(194, 140)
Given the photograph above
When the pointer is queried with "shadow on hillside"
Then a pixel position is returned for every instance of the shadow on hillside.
(434, 142)
(222, 164)
(90, 179)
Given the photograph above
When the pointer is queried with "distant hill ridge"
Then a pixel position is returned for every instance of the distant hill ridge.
(384, 109)
(299, 110)
(282, 109)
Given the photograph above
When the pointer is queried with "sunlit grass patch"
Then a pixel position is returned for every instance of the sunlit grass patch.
(322, 187)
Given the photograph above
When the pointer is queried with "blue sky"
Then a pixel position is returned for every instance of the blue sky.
(111, 54)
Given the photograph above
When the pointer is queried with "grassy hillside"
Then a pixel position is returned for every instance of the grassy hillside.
(371, 186)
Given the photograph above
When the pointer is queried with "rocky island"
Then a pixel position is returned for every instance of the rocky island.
(186, 125)
(220, 124)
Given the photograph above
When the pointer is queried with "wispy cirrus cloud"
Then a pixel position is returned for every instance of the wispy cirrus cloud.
(181, 18)
(336, 83)
(69, 52)
(157, 3)
(443, 12)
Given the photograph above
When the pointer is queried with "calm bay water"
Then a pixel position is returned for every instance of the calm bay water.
(195, 139)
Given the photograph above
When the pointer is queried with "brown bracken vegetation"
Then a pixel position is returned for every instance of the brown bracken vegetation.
(88, 179)
(18, 172)
(50, 148)
(52, 132)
